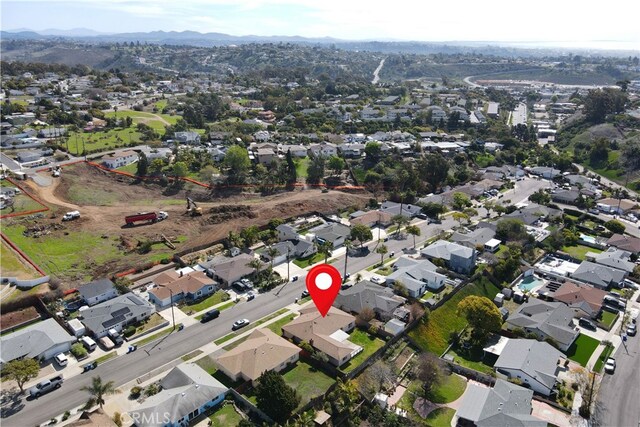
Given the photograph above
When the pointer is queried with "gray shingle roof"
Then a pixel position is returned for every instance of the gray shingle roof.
(479, 236)
(118, 310)
(415, 273)
(443, 249)
(505, 404)
(537, 359)
(553, 319)
(367, 294)
(598, 274)
(95, 288)
(186, 388)
(33, 340)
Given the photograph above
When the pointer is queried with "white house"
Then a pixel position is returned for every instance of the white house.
(123, 158)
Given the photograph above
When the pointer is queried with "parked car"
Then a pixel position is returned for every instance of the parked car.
(422, 216)
(294, 279)
(61, 359)
(46, 386)
(210, 315)
(240, 287)
(251, 296)
(305, 293)
(610, 366)
(240, 324)
(378, 280)
(586, 323)
(631, 329)
(247, 283)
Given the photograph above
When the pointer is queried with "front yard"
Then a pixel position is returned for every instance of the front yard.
(607, 318)
(307, 381)
(582, 349)
(154, 320)
(210, 301)
(306, 262)
(369, 344)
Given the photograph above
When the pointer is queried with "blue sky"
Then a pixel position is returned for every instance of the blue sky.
(574, 24)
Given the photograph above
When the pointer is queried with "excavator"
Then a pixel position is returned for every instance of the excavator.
(192, 208)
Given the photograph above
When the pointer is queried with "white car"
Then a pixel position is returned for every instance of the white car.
(61, 359)
(610, 366)
(631, 330)
(378, 280)
(240, 324)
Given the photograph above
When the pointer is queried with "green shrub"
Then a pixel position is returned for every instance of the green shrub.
(78, 351)
(129, 331)
(66, 415)
(135, 392)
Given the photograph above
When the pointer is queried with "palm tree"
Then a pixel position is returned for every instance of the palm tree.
(348, 245)
(414, 230)
(305, 419)
(272, 252)
(382, 250)
(399, 220)
(256, 264)
(325, 249)
(98, 390)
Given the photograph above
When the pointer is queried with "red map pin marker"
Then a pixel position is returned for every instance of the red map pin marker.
(323, 284)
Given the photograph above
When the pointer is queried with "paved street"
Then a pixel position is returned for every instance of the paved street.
(127, 368)
(619, 395)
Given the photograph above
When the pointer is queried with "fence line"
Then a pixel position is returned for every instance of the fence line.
(21, 254)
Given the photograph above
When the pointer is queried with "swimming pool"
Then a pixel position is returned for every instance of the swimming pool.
(529, 283)
(588, 239)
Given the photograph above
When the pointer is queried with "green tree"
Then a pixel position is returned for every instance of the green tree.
(615, 226)
(98, 390)
(206, 174)
(510, 229)
(459, 216)
(315, 171)
(256, 264)
(433, 210)
(143, 165)
(600, 102)
(325, 249)
(414, 230)
(460, 201)
(599, 153)
(540, 197)
(382, 250)
(275, 397)
(236, 160)
(430, 372)
(400, 289)
(21, 371)
(361, 233)
(434, 169)
(373, 151)
(482, 314)
(272, 253)
(156, 166)
(250, 235)
(292, 173)
(399, 221)
(336, 164)
(180, 169)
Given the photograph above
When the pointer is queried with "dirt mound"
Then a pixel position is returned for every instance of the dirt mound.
(41, 230)
(220, 214)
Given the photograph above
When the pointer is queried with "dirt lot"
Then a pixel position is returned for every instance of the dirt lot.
(104, 199)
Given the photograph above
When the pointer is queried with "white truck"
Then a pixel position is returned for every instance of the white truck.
(69, 216)
(46, 386)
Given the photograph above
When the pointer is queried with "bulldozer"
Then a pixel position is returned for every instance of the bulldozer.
(192, 208)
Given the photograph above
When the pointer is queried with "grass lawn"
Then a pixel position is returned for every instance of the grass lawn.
(302, 165)
(307, 381)
(208, 364)
(223, 307)
(132, 168)
(106, 357)
(23, 203)
(451, 388)
(225, 338)
(606, 352)
(154, 320)
(191, 355)
(426, 296)
(579, 251)
(441, 417)
(210, 301)
(369, 344)
(225, 416)
(306, 262)
(74, 254)
(582, 349)
(95, 142)
(471, 359)
(608, 318)
(11, 266)
(156, 336)
(433, 336)
(276, 327)
(384, 271)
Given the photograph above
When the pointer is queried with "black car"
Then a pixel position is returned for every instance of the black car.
(240, 287)
(586, 323)
(210, 315)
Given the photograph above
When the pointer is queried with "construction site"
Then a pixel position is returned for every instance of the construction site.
(125, 223)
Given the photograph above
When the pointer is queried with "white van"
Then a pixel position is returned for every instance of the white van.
(88, 343)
